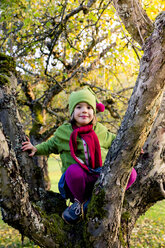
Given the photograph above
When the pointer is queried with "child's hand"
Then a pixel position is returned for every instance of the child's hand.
(28, 146)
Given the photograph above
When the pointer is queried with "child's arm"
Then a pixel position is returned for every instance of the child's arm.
(28, 146)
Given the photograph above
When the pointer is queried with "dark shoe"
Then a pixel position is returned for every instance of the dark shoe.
(84, 207)
(72, 214)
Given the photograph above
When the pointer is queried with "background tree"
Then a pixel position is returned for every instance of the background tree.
(112, 213)
(59, 47)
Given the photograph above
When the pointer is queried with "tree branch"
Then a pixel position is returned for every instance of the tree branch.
(142, 110)
(26, 217)
(134, 19)
(62, 24)
(151, 170)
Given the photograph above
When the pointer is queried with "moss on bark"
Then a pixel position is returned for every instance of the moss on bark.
(7, 66)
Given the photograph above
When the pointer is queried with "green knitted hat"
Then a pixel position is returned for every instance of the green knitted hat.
(84, 95)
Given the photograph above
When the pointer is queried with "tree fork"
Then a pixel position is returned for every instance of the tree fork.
(141, 113)
(102, 227)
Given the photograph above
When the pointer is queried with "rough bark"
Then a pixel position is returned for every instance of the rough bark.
(9, 117)
(151, 177)
(142, 110)
(25, 205)
(37, 110)
(134, 19)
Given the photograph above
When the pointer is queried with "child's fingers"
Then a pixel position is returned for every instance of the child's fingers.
(27, 139)
(24, 143)
(26, 147)
(32, 152)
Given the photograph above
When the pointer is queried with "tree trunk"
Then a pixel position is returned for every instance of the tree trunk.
(124, 152)
(38, 120)
(41, 162)
(151, 177)
(111, 213)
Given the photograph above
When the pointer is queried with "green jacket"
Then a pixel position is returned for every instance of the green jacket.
(59, 144)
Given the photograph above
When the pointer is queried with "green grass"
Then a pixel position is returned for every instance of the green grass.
(149, 231)
(10, 238)
(54, 172)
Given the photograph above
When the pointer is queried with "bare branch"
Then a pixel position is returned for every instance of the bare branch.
(62, 24)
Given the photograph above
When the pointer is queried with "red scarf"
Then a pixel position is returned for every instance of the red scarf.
(86, 133)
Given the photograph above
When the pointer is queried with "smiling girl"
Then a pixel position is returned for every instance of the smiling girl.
(83, 145)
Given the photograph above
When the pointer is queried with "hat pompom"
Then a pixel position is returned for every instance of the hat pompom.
(100, 107)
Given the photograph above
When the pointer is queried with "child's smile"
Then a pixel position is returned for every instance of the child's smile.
(83, 114)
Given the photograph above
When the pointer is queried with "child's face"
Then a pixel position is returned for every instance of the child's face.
(83, 114)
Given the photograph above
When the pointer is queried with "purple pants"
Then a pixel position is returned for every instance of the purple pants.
(132, 178)
(80, 183)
